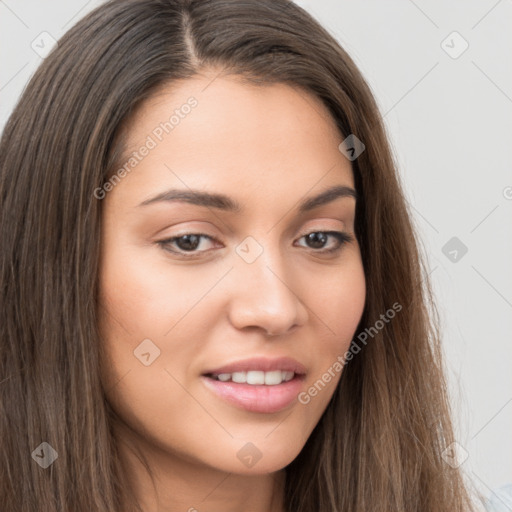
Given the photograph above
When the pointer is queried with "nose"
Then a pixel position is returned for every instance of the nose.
(262, 296)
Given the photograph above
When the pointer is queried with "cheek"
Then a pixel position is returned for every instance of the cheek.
(152, 329)
(154, 320)
(137, 307)
(337, 306)
(348, 302)
(338, 303)
(145, 296)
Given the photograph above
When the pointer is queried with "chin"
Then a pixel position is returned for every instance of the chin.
(258, 458)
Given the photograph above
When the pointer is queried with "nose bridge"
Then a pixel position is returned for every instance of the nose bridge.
(261, 294)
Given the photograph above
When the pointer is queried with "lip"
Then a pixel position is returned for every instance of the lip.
(257, 398)
(262, 364)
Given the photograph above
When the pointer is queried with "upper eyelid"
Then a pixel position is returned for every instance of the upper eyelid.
(194, 231)
(213, 237)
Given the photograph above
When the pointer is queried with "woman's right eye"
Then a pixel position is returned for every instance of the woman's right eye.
(187, 243)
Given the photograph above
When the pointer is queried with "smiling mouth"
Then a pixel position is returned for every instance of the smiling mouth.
(255, 377)
(252, 393)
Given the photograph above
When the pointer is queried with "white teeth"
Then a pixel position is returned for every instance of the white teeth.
(288, 376)
(254, 377)
(273, 378)
(239, 377)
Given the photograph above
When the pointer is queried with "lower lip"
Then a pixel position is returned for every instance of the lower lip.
(257, 398)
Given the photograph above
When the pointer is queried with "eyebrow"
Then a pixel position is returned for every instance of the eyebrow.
(226, 203)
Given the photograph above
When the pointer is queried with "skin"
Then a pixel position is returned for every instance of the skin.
(268, 147)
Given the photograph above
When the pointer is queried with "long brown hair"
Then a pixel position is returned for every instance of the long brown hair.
(378, 446)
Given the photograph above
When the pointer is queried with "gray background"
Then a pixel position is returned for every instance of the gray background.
(449, 119)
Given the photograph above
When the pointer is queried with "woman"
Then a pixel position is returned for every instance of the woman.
(212, 293)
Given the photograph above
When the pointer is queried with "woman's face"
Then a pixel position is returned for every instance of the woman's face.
(193, 286)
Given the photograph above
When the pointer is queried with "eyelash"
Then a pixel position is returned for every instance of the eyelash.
(341, 236)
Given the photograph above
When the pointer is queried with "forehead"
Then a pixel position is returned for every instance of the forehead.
(234, 98)
(206, 130)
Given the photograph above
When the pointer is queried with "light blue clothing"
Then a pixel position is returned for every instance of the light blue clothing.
(500, 500)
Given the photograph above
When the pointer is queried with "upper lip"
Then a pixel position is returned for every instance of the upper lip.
(263, 364)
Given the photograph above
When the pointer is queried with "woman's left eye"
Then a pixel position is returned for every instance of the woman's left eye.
(189, 242)
(320, 238)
